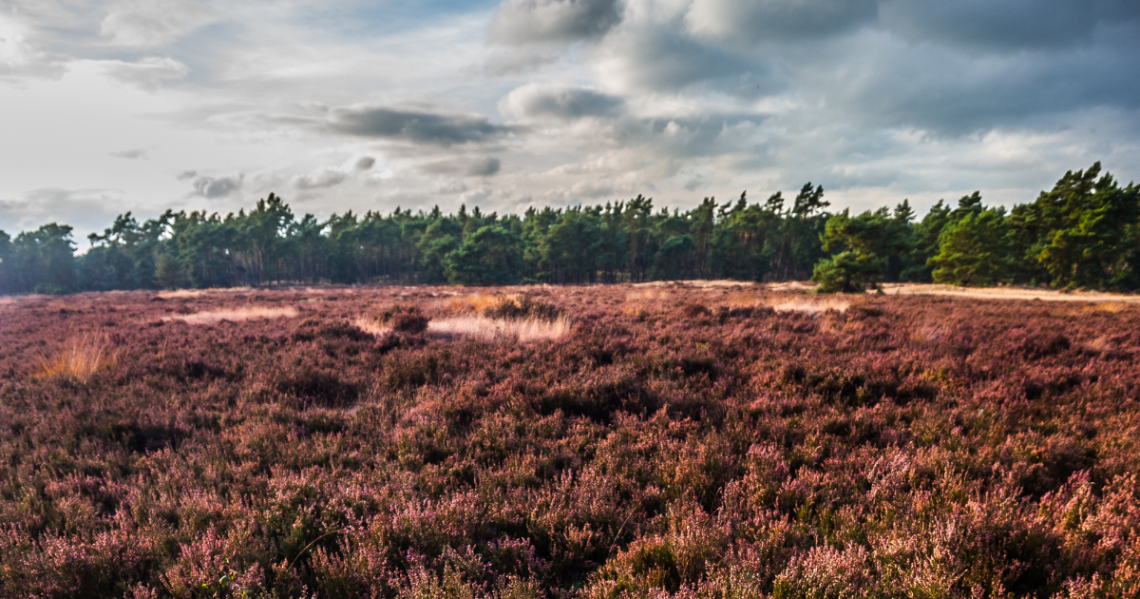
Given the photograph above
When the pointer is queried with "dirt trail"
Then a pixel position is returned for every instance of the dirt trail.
(1006, 293)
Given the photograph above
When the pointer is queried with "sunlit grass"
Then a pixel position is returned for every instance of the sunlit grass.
(491, 329)
(78, 358)
(237, 315)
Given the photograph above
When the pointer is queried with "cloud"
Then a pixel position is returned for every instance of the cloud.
(364, 163)
(1005, 25)
(483, 166)
(130, 154)
(88, 210)
(148, 72)
(213, 188)
(661, 59)
(321, 179)
(553, 21)
(150, 23)
(538, 101)
(887, 83)
(776, 20)
(19, 58)
(414, 126)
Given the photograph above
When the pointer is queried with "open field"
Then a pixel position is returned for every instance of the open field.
(699, 440)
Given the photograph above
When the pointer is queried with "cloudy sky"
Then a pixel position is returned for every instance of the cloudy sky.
(143, 105)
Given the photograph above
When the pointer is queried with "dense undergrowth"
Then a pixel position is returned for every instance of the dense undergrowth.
(677, 442)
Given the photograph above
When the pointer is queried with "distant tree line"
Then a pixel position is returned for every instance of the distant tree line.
(1083, 233)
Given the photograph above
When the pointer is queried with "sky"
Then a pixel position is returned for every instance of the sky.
(144, 105)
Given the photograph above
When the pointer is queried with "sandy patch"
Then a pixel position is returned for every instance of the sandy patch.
(1006, 293)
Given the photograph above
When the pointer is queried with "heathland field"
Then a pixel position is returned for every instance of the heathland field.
(703, 440)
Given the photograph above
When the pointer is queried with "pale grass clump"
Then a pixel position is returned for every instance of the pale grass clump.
(492, 329)
(647, 295)
(718, 284)
(808, 304)
(372, 326)
(479, 302)
(235, 315)
(191, 293)
(78, 358)
(815, 305)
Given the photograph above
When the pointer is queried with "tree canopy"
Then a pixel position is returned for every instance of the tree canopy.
(1082, 233)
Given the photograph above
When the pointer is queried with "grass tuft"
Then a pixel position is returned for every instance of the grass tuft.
(78, 358)
(491, 329)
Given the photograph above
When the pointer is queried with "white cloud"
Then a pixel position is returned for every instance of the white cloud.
(19, 57)
(151, 23)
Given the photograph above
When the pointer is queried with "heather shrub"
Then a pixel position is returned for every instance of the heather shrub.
(404, 319)
(897, 447)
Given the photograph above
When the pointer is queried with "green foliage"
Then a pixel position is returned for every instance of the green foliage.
(168, 272)
(492, 256)
(925, 235)
(861, 247)
(974, 250)
(7, 268)
(1079, 233)
(44, 260)
(1083, 233)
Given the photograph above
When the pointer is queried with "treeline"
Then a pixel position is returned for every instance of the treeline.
(1083, 233)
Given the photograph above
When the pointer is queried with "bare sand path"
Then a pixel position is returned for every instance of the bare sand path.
(1007, 293)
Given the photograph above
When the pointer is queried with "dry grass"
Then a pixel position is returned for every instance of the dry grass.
(491, 329)
(478, 302)
(718, 284)
(791, 286)
(79, 358)
(808, 304)
(236, 315)
(372, 326)
(647, 295)
(190, 293)
(788, 302)
(1112, 307)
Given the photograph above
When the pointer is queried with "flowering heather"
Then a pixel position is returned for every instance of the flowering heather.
(687, 442)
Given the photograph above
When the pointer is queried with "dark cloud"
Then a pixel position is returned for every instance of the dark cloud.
(553, 21)
(1005, 25)
(763, 20)
(561, 102)
(130, 154)
(214, 188)
(946, 92)
(365, 163)
(322, 179)
(418, 127)
(661, 59)
(481, 166)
